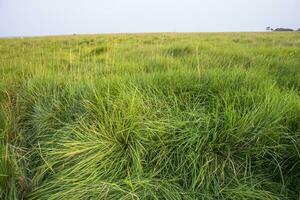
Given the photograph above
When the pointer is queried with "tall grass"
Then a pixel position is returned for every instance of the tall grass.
(153, 116)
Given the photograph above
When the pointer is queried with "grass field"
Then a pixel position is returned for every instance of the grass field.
(150, 116)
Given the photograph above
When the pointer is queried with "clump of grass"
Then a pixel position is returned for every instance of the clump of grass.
(12, 180)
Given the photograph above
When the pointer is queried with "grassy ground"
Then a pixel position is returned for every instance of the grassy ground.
(150, 116)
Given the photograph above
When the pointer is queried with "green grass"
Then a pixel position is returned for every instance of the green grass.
(150, 116)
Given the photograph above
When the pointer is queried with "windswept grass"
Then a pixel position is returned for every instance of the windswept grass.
(152, 116)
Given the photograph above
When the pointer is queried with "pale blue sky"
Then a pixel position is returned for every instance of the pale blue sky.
(52, 17)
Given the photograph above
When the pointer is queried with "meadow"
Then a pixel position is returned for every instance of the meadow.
(150, 116)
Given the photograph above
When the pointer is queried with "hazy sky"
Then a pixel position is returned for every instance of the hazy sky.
(51, 17)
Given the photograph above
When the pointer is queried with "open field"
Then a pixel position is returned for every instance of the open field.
(150, 116)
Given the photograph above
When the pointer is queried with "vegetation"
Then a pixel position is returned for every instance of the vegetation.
(279, 29)
(284, 29)
(150, 116)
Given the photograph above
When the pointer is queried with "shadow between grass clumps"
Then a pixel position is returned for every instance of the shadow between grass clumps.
(98, 51)
(95, 52)
(179, 51)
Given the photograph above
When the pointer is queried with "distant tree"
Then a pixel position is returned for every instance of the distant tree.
(283, 29)
(298, 29)
(269, 28)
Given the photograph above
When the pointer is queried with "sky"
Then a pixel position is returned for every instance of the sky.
(57, 17)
